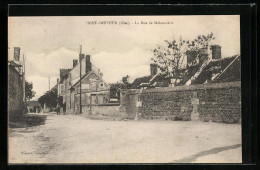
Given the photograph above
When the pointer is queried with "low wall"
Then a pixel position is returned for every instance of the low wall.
(220, 102)
(15, 94)
(104, 110)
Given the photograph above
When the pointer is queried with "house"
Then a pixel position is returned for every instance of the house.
(221, 70)
(62, 87)
(155, 79)
(15, 86)
(202, 67)
(214, 69)
(94, 90)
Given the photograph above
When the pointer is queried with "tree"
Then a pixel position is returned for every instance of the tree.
(125, 80)
(29, 93)
(50, 99)
(170, 57)
(115, 90)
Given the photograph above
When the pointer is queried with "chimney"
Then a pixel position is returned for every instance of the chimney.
(88, 64)
(75, 62)
(216, 52)
(17, 53)
(81, 56)
(153, 69)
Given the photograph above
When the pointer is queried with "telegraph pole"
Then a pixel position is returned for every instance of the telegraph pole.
(24, 98)
(80, 53)
(58, 88)
(23, 78)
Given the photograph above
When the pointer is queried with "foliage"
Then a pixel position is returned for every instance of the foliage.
(50, 98)
(170, 57)
(115, 90)
(29, 93)
(126, 82)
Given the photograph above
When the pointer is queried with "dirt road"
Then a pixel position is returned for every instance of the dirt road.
(76, 139)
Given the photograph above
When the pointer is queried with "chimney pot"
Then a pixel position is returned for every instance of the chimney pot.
(153, 69)
(216, 51)
(88, 64)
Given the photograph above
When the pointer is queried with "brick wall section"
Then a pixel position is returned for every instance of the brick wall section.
(220, 102)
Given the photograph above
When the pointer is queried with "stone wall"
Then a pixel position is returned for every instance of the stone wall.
(220, 102)
(15, 94)
(104, 110)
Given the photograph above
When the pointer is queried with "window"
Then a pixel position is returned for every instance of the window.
(101, 84)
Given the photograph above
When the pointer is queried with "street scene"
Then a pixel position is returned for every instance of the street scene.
(82, 140)
(124, 89)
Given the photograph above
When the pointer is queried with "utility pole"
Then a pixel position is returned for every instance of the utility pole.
(80, 53)
(58, 88)
(23, 78)
(23, 74)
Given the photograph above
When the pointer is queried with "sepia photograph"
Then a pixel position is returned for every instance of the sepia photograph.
(124, 89)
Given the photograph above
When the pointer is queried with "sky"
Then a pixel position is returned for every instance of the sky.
(51, 43)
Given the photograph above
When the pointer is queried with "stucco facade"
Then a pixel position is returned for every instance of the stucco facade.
(94, 91)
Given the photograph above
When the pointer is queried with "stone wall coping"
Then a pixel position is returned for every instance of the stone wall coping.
(187, 88)
(105, 104)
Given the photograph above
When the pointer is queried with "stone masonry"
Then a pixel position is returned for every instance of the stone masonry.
(218, 102)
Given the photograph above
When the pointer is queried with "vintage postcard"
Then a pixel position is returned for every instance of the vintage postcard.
(124, 89)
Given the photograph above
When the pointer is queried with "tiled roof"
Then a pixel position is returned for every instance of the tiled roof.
(188, 73)
(159, 80)
(219, 70)
(214, 68)
(63, 73)
(14, 64)
(138, 81)
(232, 73)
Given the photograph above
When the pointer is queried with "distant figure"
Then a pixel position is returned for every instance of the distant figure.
(58, 109)
(64, 108)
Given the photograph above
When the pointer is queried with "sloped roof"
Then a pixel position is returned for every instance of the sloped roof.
(215, 68)
(78, 79)
(159, 80)
(63, 73)
(232, 72)
(140, 80)
(54, 87)
(87, 74)
(14, 64)
(188, 73)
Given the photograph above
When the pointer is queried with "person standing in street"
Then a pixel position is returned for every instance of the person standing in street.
(58, 109)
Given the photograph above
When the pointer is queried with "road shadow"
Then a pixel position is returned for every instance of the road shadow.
(193, 158)
(27, 120)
